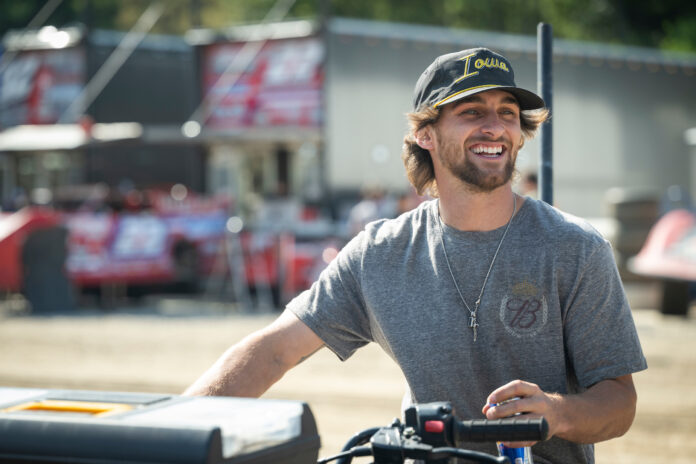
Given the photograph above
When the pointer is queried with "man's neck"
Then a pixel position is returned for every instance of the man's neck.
(478, 211)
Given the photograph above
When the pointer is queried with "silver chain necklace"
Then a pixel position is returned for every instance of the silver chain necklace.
(473, 322)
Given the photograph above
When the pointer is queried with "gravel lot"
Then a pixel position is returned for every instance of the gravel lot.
(163, 344)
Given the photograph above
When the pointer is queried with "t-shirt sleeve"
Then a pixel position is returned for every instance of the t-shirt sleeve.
(601, 338)
(334, 307)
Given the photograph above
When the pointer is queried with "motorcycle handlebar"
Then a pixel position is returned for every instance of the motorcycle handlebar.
(512, 429)
(431, 432)
(437, 424)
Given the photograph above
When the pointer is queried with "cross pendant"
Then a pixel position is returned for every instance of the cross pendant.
(473, 324)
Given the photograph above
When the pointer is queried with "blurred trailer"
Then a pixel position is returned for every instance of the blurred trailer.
(183, 245)
(277, 266)
(169, 242)
(47, 142)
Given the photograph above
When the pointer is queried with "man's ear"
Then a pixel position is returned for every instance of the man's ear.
(424, 138)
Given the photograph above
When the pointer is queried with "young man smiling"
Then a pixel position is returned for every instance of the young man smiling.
(473, 148)
(479, 295)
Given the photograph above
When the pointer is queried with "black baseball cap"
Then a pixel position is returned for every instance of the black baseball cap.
(454, 76)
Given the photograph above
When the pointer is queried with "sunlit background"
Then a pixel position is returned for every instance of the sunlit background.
(206, 159)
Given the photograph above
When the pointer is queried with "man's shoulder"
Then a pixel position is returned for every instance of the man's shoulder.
(554, 224)
(403, 227)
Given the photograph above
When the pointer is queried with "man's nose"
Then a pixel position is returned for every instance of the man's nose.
(492, 125)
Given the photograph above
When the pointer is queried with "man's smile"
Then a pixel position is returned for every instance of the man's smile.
(488, 150)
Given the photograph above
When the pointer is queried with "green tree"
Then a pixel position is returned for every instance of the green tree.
(667, 24)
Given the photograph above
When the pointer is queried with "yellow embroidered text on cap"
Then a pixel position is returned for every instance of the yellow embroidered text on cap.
(491, 63)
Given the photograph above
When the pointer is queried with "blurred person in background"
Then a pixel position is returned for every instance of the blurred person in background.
(409, 200)
(480, 295)
(374, 205)
(529, 185)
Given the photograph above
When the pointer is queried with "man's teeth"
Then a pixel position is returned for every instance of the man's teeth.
(487, 150)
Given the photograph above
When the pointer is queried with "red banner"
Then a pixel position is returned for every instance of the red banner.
(278, 84)
(38, 86)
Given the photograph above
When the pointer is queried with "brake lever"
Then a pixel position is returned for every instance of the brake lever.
(389, 445)
(477, 456)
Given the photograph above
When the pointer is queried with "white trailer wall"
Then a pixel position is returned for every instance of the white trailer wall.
(618, 120)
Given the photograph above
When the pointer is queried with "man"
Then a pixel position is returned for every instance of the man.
(373, 205)
(480, 295)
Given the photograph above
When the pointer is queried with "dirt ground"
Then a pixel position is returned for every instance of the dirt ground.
(163, 344)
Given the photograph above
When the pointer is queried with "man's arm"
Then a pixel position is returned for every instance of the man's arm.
(250, 367)
(604, 411)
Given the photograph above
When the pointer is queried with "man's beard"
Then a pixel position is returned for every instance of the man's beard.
(454, 158)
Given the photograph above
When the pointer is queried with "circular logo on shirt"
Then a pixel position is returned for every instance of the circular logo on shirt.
(525, 312)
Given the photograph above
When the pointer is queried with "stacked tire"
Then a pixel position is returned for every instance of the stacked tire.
(635, 212)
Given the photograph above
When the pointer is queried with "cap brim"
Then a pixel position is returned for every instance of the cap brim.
(526, 99)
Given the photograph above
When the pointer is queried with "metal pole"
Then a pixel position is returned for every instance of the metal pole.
(545, 90)
(323, 144)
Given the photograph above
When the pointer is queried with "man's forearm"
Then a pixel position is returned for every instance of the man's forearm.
(604, 411)
(248, 368)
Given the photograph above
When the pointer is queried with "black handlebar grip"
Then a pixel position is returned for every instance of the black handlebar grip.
(511, 429)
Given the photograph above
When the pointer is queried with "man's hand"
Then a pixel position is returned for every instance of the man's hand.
(604, 411)
(532, 402)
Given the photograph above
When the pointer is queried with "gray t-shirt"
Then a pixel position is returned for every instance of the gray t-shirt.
(553, 312)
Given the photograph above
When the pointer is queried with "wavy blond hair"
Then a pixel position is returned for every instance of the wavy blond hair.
(417, 161)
